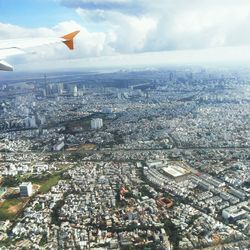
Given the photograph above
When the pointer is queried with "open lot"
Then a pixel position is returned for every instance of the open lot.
(46, 184)
(10, 208)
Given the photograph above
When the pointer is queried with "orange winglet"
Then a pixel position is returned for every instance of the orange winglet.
(69, 39)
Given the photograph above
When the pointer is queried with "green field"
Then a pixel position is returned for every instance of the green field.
(10, 208)
(46, 184)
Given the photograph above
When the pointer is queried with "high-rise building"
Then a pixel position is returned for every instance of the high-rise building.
(33, 122)
(49, 89)
(96, 123)
(75, 91)
(60, 88)
(172, 76)
(30, 122)
(26, 189)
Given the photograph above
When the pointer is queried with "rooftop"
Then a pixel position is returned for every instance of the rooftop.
(25, 183)
(175, 170)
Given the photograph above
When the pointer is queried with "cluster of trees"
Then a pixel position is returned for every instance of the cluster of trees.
(118, 138)
(43, 240)
(55, 216)
(192, 219)
(145, 192)
(173, 232)
(56, 213)
(76, 156)
(54, 157)
(11, 181)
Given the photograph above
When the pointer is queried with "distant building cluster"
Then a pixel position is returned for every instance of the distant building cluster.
(150, 159)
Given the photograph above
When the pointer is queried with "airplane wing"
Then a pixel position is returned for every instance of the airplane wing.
(20, 46)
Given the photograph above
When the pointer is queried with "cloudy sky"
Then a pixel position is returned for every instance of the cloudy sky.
(130, 32)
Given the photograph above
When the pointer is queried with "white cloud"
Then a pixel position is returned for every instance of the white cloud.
(136, 26)
(178, 24)
(132, 32)
(129, 33)
(200, 24)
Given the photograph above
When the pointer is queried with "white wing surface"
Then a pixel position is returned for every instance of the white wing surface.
(19, 46)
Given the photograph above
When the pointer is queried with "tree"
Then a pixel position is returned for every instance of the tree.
(192, 219)
(11, 181)
(173, 233)
(56, 212)
(43, 240)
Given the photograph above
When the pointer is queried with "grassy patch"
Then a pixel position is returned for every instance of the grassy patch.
(10, 208)
(46, 184)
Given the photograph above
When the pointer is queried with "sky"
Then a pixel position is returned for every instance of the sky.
(129, 32)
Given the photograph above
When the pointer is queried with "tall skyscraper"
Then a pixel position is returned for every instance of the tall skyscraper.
(75, 91)
(96, 123)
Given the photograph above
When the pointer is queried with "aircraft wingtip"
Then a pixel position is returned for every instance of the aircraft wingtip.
(69, 39)
(71, 35)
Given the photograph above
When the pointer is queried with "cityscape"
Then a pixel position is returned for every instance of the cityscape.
(149, 158)
(124, 125)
